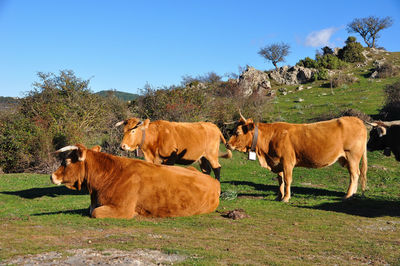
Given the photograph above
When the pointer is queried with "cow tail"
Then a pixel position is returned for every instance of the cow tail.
(364, 167)
(228, 153)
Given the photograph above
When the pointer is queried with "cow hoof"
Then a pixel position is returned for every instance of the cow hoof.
(286, 200)
(278, 198)
(347, 198)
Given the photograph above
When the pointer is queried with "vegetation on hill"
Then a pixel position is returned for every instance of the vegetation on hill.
(61, 110)
(124, 96)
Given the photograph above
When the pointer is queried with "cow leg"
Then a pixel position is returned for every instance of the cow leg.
(108, 211)
(281, 187)
(216, 167)
(354, 174)
(217, 173)
(287, 180)
(205, 166)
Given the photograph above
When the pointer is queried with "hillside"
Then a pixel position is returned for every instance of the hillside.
(125, 96)
(318, 101)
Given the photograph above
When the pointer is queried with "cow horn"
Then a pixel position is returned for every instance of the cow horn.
(391, 123)
(241, 116)
(229, 123)
(119, 123)
(371, 124)
(67, 148)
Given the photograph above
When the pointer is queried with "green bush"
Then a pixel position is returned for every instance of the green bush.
(329, 61)
(352, 51)
(321, 74)
(59, 111)
(307, 62)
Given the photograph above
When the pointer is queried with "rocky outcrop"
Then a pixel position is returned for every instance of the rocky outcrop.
(293, 75)
(253, 81)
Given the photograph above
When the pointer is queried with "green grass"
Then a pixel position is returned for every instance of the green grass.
(315, 227)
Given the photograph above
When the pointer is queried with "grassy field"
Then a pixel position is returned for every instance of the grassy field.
(316, 227)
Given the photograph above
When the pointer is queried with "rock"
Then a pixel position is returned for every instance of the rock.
(293, 75)
(253, 81)
(374, 74)
(309, 87)
(271, 93)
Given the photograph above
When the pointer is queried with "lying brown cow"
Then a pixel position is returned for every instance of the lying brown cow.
(123, 188)
(164, 142)
(282, 146)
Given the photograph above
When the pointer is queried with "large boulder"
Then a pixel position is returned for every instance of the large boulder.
(253, 81)
(293, 75)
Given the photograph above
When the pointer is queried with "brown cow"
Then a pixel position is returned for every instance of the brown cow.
(282, 146)
(164, 142)
(123, 188)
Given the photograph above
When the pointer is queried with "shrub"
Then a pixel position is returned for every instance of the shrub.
(339, 113)
(386, 70)
(307, 62)
(174, 104)
(321, 74)
(329, 61)
(391, 109)
(59, 111)
(342, 79)
(352, 51)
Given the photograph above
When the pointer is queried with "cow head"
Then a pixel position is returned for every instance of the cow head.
(133, 133)
(377, 137)
(71, 173)
(242, 136)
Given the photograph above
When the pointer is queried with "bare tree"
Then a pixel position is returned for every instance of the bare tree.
(369, 27)
(275, 52)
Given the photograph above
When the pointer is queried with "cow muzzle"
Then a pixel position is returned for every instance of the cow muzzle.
(54, 180)
(125, 147)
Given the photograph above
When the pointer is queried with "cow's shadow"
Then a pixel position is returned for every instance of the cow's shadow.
(295, 190)
(81, 212)
(360, 206)
(33, 193)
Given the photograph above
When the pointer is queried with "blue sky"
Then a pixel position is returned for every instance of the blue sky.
(123, 45)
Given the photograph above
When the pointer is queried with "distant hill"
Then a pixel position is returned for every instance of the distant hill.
(8, 103)
(125, 96)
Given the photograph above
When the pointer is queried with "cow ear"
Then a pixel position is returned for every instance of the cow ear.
(251, 126)
(146, 123)
(96, 148)
(81, 152)
(381, 131)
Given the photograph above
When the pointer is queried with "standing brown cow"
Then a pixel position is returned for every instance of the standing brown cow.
(164, 142)
(123, 188)
(282, 146)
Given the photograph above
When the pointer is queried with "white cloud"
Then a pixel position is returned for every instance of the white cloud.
(320, 38)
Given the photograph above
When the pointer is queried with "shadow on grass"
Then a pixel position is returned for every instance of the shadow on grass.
(82, 212)
(295, 190)
(364, 207)
(33, 193)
